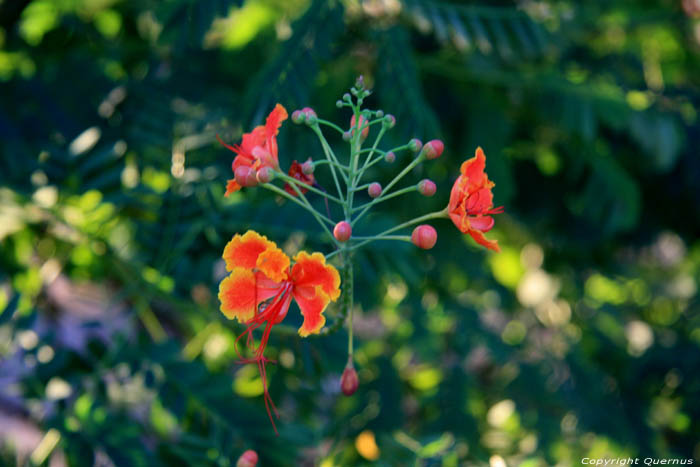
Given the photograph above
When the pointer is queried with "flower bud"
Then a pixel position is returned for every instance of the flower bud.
(339, 103)
(309, 116)
(342, 231)
(298, 116)
(346, 97)
(389, 121)
(363, 123)
(374, 190)
(424, 236)
(390, 157)
(242, 175)
(426, 187)
(264, 175)
(415, 145)
(360, 82)
(433, 149)
(349, 381)
(347, 136)
(248, 459)
(379, 113)
(307, 167)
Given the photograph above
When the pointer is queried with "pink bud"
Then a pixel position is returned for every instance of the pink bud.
(427, 187)
(342, 231)
(433, 149)
(424, 236)
(390, 157)
(264, 175)
(363, 123)
(242, 175)
(298, 116)
(349, 382)
(374, 190)
(308, 111)
(415, 145)
(248, 459)
(389, 121)
(307, 167)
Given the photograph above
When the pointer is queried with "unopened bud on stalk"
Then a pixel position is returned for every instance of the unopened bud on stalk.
(424, 236)
(427, 187)
(347, 136)
(307, 167)
(389, 121)
(342, 231)
(349, 382)
(245, 176)
(379, 113)
(310, 115)
(363, 123)
(248, 459)
(415, 145)
(433, 149)
(346, 97)
(298, 116)
(339, 103)
(374, 190)
(265, 174)
(390, 157)
(360, 82)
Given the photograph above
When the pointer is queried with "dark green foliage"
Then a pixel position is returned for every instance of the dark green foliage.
(112, 223)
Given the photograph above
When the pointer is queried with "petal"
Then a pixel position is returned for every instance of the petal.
(231, 187)
(275, 119)
(243, 250)
(296, 172)
(478, 236)
(312, 302)
(265, 287)
(274, 264)
(474, 167)
(312, 270)
(237, 294)
(483, 223)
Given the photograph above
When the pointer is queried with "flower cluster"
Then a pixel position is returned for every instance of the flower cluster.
(263, 281)
(261, 286)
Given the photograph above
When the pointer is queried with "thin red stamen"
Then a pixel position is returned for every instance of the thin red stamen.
(267, 316)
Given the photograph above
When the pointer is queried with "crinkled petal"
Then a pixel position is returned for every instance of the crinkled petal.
(231, 187)
(237, 294)
(243, 250)
(312, 270)
(275, 119)
(274, 264)
(478, 236)
(312, 302)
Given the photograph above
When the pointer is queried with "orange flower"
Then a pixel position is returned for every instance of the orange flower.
(261, 287)
(257, 149)
(471, 201)
(296, 172)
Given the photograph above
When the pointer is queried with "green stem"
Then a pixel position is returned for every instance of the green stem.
(366, 207)
(405, 238)
(336, 164)
(433, 215)
(292, 180)
(320, 218)
(331, 124)
(330, 155)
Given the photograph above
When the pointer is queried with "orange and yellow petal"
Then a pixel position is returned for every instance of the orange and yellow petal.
(274, 264)
(243, 250)
(312, 302)
(312, 270)
(237, 294)
(231, 187)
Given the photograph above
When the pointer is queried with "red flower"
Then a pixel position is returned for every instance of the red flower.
(261, 287)
(471, 201)
(257, 149)
(296, 172)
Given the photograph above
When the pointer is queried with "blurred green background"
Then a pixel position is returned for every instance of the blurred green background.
(580, 339)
